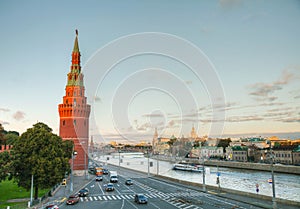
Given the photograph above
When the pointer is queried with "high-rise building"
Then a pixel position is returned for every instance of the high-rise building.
(74, 112)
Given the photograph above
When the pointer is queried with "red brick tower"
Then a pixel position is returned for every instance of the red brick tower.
(74, 112)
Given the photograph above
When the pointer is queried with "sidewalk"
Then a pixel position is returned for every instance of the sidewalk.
(255, 200)
(63, 192)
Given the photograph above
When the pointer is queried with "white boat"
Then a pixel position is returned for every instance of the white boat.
(187, 167)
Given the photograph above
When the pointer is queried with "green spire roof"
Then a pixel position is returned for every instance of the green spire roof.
(76, 47)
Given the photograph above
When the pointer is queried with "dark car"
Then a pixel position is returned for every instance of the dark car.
(99, 178)
(73, 199)
(128, 182)
(83, 192)
(141, 199)
(52, 207)
(105, 171)
(109, 187)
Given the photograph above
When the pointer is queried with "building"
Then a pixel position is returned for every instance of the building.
(5, 148)
(207, 152)
(74, 112)
(284, 154)
(259, 142)
(237, 153)
(296, 155)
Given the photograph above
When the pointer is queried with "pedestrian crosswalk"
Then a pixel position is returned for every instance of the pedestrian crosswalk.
(131, 196)
(172, 198)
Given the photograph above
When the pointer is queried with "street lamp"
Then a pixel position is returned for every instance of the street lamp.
(74, 153)
(200, 155)
(203, 176)
(274, 204)
(120, 161)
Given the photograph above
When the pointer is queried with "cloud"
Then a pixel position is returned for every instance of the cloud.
(264, 91)
(19, 115)
(291, 120)
(143, 127)
(4, 122)
(97, 99)
(171, 123)
(244, 118)
(188, 82)
(229, 4)
(153, 115)
(4, 109)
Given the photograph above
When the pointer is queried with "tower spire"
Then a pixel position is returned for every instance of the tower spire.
(76, 46)
(75, 77)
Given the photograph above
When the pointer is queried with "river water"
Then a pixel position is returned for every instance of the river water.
(287, 186)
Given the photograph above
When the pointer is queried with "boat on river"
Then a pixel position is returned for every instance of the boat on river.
(187, 167)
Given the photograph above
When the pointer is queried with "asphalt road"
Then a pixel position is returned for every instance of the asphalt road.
(161, 195)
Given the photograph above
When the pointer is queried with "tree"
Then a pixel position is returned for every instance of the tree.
(2, 132)
(44, 155)
(10, 138)
(5, 165)
(224, 143)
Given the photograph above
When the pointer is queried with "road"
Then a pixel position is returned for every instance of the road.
(161, 195)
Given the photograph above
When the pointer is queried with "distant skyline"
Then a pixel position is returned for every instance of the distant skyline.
(243, 76)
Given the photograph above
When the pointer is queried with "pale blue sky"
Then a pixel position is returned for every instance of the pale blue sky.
(253, 45)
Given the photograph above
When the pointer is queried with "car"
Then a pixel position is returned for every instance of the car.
(83, 192)
(140, 198)
(109, 187)
(73, 199)
(99, 178)
(105, 171)
(52, 207)
(113, 179)
(128, 182)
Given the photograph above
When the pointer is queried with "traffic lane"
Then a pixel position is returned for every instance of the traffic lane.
(121, 204)
(192, 197)
(166, 187)
(121, 186)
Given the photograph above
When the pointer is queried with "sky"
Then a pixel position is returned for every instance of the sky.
(225, 67)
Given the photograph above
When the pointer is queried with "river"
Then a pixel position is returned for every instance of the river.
(287, 186)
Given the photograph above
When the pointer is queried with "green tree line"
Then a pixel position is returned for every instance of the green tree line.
(37, 152)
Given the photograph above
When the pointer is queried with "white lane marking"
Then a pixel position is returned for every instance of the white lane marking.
(155, 205)
(100, 188)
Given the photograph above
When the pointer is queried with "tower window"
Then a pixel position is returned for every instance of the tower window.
(74, 122)
(64, 122)
(75, 93)
(74, 102)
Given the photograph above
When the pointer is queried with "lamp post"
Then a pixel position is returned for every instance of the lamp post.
(203, 176)
(148, 162)
(119, 158)
(74, 153)
(274, 204)
(31, 191)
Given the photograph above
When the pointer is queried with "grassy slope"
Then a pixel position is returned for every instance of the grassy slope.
(10, 190)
